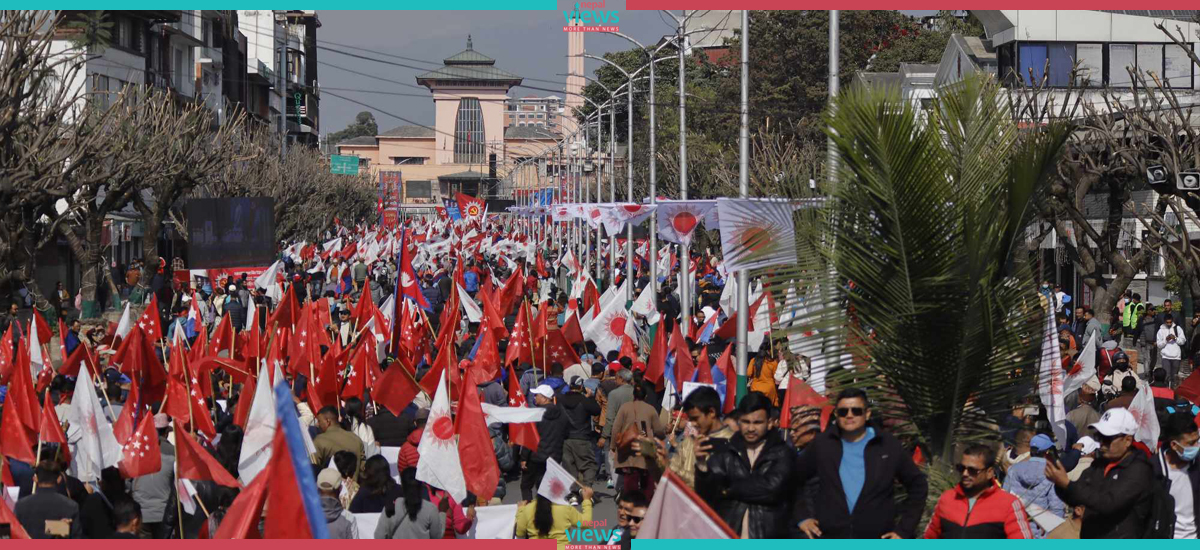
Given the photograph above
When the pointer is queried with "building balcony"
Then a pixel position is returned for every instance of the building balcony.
(212, 56)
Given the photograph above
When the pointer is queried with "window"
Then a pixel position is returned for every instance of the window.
(1121, 60)
(1177, 66)
(125, 32)
(364, 162)
(1150, 60)
(1062, 62)
(408, 160)
(468, 132)
(1091, 65)
(1032, 59)
(178, 68)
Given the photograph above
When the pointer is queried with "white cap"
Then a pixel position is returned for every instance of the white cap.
(1116, 421)
(544, 391)
(1087, 445)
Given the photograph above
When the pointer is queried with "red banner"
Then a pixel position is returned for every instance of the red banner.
(231, 273)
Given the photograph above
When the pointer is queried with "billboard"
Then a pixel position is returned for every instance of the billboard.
(238, 232)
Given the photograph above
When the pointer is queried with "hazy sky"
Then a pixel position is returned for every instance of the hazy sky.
(528, 43)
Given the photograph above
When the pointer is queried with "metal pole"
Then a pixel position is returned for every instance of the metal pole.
(685, 264)
(743, 285)
(612, 185)
(600, 182)
(834, 24)
(629, 196)
(280, 67)
(652, 247)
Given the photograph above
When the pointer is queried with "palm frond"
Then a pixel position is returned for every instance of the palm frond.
(904, 278)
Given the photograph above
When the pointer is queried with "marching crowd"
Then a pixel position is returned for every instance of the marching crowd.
(519, 330)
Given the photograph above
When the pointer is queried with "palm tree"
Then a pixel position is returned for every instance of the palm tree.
(910, 260)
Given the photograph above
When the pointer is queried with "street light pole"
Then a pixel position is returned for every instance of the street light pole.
(685, 251)
(743, 279)
(834, 31)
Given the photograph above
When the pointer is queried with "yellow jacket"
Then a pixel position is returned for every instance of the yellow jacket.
(565, 517)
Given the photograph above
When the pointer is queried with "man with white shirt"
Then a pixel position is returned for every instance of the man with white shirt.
(1170, 346)
(1177, 459)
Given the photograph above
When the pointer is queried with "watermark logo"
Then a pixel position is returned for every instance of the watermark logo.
(591, 535)
(591, 17)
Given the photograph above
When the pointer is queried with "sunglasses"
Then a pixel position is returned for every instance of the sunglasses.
(843, 412)
(1110, 438)
(960, 468)
(635, 519)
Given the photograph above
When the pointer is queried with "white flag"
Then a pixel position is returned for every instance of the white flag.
(474, 313)
(251, 315)
(97, 448)
(493, 522)
(269, 277)
(677, 220)
(260, 428)
(126, 323)
(676, 512)
(439, 464)
(756, 233)
(36, 362)
(1086, 366)
(1050, 384)
(511, 415)
(1142, 409)
(556, 483)
(644, 304)
(609, 326)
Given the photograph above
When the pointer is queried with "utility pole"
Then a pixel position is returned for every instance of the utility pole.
(685, 256)
(834, 30)
(652, 244)
(743, 279)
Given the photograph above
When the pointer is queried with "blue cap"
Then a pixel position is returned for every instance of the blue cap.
(591, 384)
(1041, 442)
(1064, 327)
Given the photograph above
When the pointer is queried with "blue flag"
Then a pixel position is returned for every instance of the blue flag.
(285, 412)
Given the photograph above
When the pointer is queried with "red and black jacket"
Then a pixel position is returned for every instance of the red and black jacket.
(997, 514)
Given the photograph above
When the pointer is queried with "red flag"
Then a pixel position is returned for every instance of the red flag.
(277, 353)
(677, 512)
(684, 367)
(446, 362)
(1190, 388)
(725, 363)
(408, 276)
(541, 266)
(7, 517)
(728, 329)
(799, 394)
(6, 356)
(140, 453)
(475, 450)
(242, 517)
(287, 519)
(396, 389)
(124, 426)
(571, 330)
(525, 435)
(557, 350)
(487, 357)
(200, 348)
(704, 369)
(302, 347)
(43, 329)
(510, 294)
(222, 339)
(520, 348)
(242, 412)
(354, 382)
(285, 314)
(194, 463)
(492, 319)
(62, 338)
(149, 321)
(470, 207)
(20, 422)
(82, 355)
(178, 401)
(51, 430)
(656, 364)
(539, 322)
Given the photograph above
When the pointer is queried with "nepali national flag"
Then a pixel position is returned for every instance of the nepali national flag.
(194, 322)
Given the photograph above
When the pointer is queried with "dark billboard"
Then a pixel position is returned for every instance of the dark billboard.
(236, 232)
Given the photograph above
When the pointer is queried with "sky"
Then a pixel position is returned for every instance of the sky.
(531, 44)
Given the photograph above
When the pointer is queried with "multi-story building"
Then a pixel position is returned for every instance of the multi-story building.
(539, 112)
(265, 39)
(303, 98)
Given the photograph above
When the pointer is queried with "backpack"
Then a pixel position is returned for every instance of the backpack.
(1160, 523)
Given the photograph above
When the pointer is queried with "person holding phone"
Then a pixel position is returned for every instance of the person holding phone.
(637, 422)
(703, 410)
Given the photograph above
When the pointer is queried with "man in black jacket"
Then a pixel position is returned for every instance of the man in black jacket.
(748, 480)
(1116, 488)
(579, 451)
(857, 466)
(551, 432)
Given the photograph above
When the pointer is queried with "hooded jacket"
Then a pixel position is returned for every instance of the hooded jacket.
(341, 526)
(1117, 497)
(580, 410)
(552, 431)
(732, 486)
(876, 512)
(1027, 481)
(996, 514)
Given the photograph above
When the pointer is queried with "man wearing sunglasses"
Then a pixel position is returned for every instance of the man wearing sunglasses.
(977, 508)
(1116, 489)
(855, 502)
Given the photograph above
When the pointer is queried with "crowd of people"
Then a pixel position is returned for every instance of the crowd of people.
(783, 459)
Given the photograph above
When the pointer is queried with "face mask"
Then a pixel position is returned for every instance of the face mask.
(1189, 453)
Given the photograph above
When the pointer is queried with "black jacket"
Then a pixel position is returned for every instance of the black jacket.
(390, 430)
(1117, 500)
(875, 513)
(580, 410)
(732, 487)
(552, 431)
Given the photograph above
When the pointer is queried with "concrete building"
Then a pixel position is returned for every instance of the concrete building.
(265, 38)
(546, 113)
(303, 99)
(472, 141)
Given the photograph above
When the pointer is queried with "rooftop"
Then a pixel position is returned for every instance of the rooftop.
(528, 132)
(360, 140)
(409, 131)
(469, 66)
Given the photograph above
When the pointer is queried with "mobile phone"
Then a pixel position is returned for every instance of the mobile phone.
(1052, 455)
(5, 531)
(717, 444)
